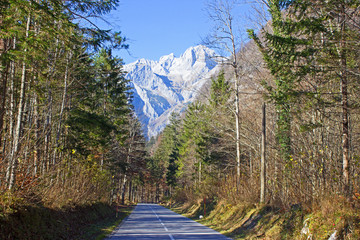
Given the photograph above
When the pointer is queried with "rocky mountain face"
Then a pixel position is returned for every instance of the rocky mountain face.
(168, 85)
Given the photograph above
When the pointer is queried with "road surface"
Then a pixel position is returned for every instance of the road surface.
(151, 221)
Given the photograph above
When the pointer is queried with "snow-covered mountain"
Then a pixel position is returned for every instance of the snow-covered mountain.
(161, 87)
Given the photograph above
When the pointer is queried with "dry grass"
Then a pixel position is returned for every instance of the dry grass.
(249, 221)
(332, 214)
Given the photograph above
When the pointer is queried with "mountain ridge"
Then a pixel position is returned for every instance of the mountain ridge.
(167, 85)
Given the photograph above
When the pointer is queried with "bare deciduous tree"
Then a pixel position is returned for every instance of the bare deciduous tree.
(224, 37)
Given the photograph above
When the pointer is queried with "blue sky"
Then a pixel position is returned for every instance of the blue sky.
(159, 27)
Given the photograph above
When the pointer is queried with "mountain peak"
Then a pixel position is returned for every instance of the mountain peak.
(200, 54)
(167, 85)
(199, 51)
(167, 60)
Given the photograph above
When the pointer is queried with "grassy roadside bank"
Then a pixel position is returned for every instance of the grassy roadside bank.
(331, 219)
(79, 222)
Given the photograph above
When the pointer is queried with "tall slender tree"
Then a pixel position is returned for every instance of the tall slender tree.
(224, 37)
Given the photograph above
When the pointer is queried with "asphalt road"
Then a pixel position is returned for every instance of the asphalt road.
(151, 221)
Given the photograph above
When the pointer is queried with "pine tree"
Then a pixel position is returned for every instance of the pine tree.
(284, 52)
(167, 152)
(220, 91)
(311, 54)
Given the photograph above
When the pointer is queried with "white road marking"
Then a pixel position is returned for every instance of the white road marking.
(171, 237)
(162, 234)
(177, 232)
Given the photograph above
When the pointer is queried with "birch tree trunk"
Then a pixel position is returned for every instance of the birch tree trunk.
(13, 163)
(37, 150)
(237, 129)
(47, 130)
(48, 122)
(11, 118)
(62, 108)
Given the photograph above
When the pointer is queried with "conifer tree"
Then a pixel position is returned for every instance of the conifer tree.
(310, 53)
(284, 51)
(220, 91)
(48, 78)
(167, 152)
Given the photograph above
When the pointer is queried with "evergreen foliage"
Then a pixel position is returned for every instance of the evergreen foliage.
(65, 110)
(308, 55)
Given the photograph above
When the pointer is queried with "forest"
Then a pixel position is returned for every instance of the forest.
(68, 132)
(281, 119)
(278, 126)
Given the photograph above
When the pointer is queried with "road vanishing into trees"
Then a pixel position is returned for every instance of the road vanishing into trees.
(151, 221)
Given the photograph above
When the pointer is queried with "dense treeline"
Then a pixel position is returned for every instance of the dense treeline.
(68, 132)
(304, 66)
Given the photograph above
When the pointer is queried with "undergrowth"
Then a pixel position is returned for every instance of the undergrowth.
(332, 216)
(22, 219)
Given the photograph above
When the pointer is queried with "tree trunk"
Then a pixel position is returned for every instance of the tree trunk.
(344, 103)
(63, 104)
(13, 163)
(345, 130)
(263, 157)
(123, 190)
(47, 130)
(237, 121)
(130, 190)
(37, 149)
(3, 88)
(157, 198)
(200, 165)
(221, 13)
(11, 118)
(48, 123)
(3, 85)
